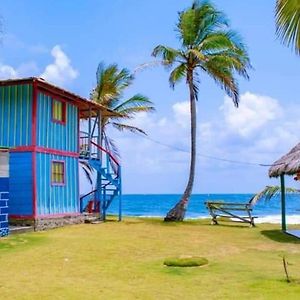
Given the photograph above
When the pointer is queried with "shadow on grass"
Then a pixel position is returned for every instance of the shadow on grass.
(233, 225)
(174, 271)
(279, 236)
(161, 222)
(188, 222)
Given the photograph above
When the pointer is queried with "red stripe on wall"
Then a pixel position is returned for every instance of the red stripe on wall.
(34, 191)
(44, 150)
(23, 149)
(59, 215)
(57, 152)
(20, 216)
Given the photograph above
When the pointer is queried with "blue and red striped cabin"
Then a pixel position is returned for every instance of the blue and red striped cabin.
(39, 143)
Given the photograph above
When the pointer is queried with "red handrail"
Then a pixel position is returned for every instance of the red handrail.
(107, 152)
(87, 194)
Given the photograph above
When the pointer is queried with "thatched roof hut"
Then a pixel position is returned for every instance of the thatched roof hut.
(289, 164)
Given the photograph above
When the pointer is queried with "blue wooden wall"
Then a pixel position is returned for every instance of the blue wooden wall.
(54, 135)
(53, 199)
(15, 115)
(4, 184)
(20, 183)
(16, 105)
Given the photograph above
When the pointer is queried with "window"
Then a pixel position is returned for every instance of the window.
(58, 111)
(58, 173)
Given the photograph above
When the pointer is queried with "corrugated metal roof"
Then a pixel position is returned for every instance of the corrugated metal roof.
(85, 106)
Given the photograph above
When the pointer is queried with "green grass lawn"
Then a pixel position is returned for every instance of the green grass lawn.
(125, 261)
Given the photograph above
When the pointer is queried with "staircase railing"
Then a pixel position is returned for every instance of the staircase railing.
(112, 165)
(110, 171)
(87, 150)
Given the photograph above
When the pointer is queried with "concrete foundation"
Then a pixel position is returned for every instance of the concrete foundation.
(49, 222)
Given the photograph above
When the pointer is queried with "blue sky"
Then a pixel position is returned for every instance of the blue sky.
(65, 40)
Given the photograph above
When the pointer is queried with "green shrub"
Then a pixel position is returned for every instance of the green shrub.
(194, 261)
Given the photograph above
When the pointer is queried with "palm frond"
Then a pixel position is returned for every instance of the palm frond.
(198, 21)
(148, 65)
(136, 101)
(215, 41)
(222, 74)
(130, 128)
(111, 146)
(269, 192)
(235, 60)
(195, 53)
(177, 74)
(222, 40)
(168, 54)
(87, 169)
(287, 17)
(111, 83)
(196, 90)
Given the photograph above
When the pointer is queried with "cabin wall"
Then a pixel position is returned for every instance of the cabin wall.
(34, 140)
(20, 184)
(15, 115)
(53, 199)
(54, 135)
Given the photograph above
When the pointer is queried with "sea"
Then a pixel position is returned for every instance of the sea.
(155, 205)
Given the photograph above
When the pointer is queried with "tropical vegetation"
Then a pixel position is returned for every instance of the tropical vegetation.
(287, 14)
(112, 82)
(208, 45)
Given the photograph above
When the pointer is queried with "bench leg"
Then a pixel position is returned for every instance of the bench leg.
(252, 222)
(214, 221)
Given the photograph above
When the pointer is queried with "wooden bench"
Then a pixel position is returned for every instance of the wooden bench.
(230, 210)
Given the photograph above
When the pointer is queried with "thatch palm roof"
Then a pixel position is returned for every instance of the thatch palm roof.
(289, 164)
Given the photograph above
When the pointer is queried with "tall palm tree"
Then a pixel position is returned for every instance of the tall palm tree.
(287, 16)
(208, 45)
(109, 92)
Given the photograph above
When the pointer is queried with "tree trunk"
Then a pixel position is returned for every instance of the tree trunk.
(177, 213)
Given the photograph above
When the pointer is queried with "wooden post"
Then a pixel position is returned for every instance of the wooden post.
(90, 133)
(99, 176)
(283, 219)
(120, 195)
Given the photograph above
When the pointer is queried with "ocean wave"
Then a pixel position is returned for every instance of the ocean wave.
(276, 219)
(272, 219)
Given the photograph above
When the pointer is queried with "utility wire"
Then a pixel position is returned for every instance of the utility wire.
(206, 156)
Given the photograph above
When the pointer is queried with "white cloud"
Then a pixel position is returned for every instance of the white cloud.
(61, 71)
(181, 112)
(7, 72)
(254, 112)
(23, 70)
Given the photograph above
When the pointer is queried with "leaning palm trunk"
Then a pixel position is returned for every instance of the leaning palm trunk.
(177, 213)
